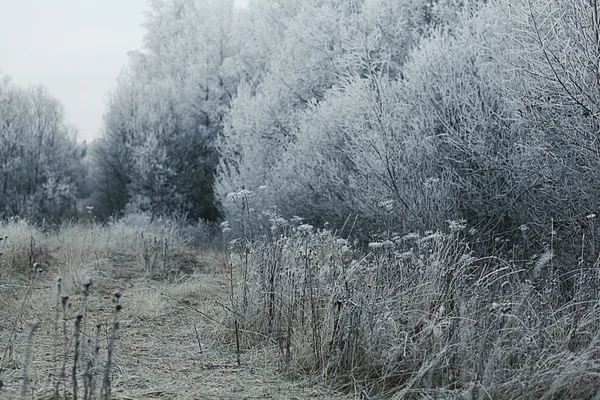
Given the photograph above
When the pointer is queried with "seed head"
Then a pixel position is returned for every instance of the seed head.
(86, 282)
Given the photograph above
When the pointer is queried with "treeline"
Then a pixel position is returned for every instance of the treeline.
(405, 113)
(41, 165)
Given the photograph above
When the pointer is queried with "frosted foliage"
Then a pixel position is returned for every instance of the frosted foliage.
(396, 161)
(464, 116)
(258, 36)
(167, 111)
(189, 42)
(492, 126)
(162, 151)
(362, 154)
(40, 164)
(325, 186)
(263, 122)
(438, 143)
(324, 42)
(152, 178)
(555, 95)
(409, 113)
(558, 41)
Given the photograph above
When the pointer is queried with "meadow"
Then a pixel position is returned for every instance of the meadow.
(144, 308)
(138, 290)
(443, 156)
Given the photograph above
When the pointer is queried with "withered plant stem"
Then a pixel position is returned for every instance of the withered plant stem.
(76, 337)
(33, 324)
(105, 391)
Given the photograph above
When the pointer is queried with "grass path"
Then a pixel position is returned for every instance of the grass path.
(172, 343)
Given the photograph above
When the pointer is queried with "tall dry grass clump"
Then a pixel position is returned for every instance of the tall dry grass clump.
(415, 315)
(119, 248)
(21, 246)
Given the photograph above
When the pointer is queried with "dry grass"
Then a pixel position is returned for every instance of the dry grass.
(169, 342)
(418, 316)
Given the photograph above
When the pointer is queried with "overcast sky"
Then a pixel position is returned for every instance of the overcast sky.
(75, 48)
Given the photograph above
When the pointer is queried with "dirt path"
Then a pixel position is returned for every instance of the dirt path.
(168, 347)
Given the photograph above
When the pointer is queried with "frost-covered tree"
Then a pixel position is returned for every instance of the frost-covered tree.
(157, 153)
(40, 161)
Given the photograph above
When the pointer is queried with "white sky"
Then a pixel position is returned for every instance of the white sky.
(75, 48)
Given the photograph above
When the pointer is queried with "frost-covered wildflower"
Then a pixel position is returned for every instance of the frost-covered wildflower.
(276, 221)
(244, 193)
(306, 228)
(431, 236)
(342, 242)
(225, 227)
(456, 226)
(387, 205)
(378, 245)
(279, 221)
(523, 228)
(411, 236)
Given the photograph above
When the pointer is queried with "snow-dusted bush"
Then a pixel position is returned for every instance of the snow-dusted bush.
(268, 138)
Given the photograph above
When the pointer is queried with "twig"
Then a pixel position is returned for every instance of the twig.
(198, 338)
(105, 390)
(237, 342)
